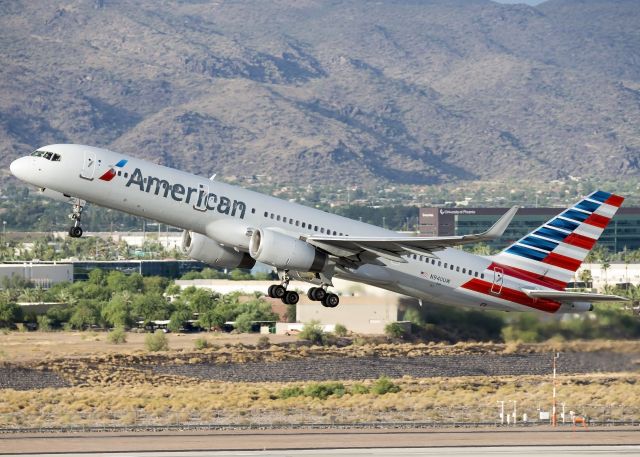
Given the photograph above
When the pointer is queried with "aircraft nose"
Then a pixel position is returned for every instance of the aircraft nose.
(19, 168)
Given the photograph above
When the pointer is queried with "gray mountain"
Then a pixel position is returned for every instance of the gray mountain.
(330, 91)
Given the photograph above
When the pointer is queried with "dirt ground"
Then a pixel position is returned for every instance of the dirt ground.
(26, 346)
(314, 439)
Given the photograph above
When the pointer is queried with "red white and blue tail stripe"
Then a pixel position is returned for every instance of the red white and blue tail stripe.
(552, 253)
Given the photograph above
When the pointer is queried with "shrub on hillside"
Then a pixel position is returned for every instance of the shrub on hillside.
(394, 330)
(312, 332)
(157, 341)
(263, 342)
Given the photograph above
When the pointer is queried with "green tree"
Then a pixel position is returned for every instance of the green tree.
(10, 314)
(157, 341)
(117, 312)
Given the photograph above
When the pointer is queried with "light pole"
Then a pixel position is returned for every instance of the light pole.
(501, 411)
(554, 418)
(515, 411)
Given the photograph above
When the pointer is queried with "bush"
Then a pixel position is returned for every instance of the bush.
(394, 330)
(117, 336)
(263, 342)
(44, 323)
(324, 390)
(384, 386)
(201, 343)
(312, 332)
(340, 330)
(359, 389)
(288, 392)
(157, 341)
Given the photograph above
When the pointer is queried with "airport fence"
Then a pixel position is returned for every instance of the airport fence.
(462, 416)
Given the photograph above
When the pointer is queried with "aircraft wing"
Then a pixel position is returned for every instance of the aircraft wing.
(392, 247)
(561, 295)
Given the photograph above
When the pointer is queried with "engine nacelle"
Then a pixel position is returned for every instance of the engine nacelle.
(285, 252)
(204, 249)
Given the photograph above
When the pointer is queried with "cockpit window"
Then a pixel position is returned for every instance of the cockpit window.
(47, 155)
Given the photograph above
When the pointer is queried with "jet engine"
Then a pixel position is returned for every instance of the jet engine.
(285, 252)
(204, 249)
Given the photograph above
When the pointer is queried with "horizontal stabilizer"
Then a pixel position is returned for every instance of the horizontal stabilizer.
(561, 295)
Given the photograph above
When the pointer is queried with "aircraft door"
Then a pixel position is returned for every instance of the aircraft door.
(88, 165)
(498, 277)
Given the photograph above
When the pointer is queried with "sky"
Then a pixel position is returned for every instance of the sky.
(528, 2)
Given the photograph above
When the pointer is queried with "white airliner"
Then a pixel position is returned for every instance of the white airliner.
(228, 226)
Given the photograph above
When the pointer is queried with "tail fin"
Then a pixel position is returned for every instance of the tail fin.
(554, 251)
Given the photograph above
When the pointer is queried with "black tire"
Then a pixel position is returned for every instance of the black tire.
(270, 291)
(75, 232)
(291, 298)
(310, 293)
(279, 291)
(319, 293)
(331, 301)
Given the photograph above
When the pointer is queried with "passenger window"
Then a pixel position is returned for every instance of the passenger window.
(334, 233)
(297, 223)
(445, 265)
(458, 269)
(119, 173)
(126, 174)
(315, 229)
(271, 215)
(439, 262)
(278, 217)
(482, 275)
(340, 233)
(266, 214)
(414, 256)
(304, 225)
(253, 211)
(475, 273)
(451, 267)
(464, 271)
(321, 230)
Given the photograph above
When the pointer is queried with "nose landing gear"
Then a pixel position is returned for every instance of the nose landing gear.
(75, 231)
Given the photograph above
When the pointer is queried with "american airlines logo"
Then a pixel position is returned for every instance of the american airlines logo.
(200, 198)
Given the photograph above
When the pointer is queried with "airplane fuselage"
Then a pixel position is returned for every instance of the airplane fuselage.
(228, 214)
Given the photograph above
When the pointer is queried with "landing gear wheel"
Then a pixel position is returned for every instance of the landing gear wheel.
(330, 301)
(278, 291)
(319, 294)
(270, 291)
(290, 297)
(75, 231)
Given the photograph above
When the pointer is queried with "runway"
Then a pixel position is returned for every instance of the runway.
(522, 451)
(356, 442)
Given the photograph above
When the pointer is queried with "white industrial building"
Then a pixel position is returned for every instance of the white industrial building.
(40, 274)
(614, 274)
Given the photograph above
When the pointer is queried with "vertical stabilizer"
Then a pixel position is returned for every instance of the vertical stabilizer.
(554, 251)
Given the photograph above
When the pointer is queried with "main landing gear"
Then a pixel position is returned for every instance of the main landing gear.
(320, 294)
(75, 231)
(291, 297)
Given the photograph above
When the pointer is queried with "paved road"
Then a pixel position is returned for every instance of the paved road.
(520, 451)
(283, 442)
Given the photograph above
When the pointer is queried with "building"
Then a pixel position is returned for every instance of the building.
(616, 274)
(622, 232)
(362, 309)
(42, 275)
(171, 269)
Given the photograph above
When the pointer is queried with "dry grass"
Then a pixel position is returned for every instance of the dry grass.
(468, 398)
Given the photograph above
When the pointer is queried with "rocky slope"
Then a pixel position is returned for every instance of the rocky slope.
(330, 91)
